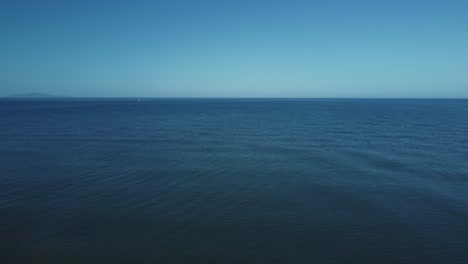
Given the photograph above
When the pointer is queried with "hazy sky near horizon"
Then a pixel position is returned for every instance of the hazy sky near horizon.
(238, 48)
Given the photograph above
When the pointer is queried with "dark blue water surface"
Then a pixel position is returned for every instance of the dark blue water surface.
(233, 181)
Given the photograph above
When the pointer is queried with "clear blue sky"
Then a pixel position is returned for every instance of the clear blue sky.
(215, 48)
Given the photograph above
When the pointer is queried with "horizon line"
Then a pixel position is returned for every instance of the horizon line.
(195, 98)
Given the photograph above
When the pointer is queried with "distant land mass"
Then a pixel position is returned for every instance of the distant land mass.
(36, 95)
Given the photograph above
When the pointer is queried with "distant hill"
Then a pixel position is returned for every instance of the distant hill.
(36, 95)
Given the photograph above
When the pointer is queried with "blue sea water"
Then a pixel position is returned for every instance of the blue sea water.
(234, 181)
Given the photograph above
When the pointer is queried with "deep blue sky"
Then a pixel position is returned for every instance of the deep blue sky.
(235, 48)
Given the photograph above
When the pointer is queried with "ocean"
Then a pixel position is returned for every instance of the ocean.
(233, 181)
